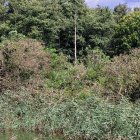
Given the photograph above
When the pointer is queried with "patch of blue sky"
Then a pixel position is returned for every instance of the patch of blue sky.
(112, 3)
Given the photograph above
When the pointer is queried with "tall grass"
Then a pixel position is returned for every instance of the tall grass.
(91, 118)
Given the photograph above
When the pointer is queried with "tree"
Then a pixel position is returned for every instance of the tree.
(127, 34)
(67, 25)
(99, 28)
(50, 21)
(136, 9)
(120, 10)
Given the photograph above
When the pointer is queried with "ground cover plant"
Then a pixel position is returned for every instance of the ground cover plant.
(91, 118)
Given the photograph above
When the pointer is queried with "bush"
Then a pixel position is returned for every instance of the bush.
(113, 78)
(24, 63)
(122, 76)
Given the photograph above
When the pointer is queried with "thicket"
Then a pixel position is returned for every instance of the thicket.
(83, 101)
(27, 64)
(96, 98)
(23, 65)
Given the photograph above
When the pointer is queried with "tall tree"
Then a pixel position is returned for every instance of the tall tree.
(137, 9)
(120, 10)
(127, 34)
(99, 28)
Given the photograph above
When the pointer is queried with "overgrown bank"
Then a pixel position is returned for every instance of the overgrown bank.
(42, 90)
(90, 100)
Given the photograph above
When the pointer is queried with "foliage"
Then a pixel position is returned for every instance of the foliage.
(120, 11)
(99, 28)
(24, 63)
(53, 22)
(50, 21)
(122, 76)
(91, 118)
(136, 9)
(42, 91)
(127, 33)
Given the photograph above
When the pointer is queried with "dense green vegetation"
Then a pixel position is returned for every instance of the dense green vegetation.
(42, 90)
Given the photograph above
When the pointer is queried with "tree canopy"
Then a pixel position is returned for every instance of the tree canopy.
(127, 34)
(53, 22)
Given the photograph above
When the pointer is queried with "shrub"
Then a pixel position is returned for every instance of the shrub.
(122, 75)
(114, 78)
(24, 63)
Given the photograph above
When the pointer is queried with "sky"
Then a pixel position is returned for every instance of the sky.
(112, 3)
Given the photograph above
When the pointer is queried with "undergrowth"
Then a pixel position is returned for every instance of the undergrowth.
(44, 92)
(91, 118)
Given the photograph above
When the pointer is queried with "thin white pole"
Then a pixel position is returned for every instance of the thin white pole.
(75, 41)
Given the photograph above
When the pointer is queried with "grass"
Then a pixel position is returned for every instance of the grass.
(91, 118)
